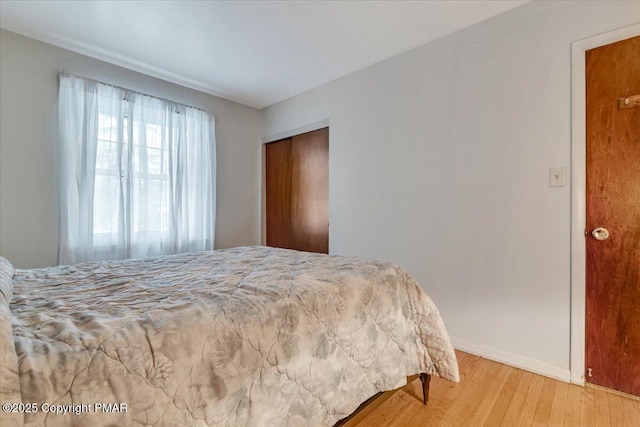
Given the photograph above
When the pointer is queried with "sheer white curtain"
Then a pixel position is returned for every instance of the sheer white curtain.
(137, 175)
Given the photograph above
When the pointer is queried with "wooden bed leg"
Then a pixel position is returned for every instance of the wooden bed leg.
(426, 379)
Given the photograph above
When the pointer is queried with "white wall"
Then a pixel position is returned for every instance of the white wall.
(28, 129)
(439, 161)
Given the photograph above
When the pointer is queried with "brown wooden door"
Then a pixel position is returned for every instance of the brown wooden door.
(613, 202)
(278, 193)
(297, 192)
(310, 191)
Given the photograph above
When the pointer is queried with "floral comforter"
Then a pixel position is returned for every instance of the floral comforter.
(251, 336)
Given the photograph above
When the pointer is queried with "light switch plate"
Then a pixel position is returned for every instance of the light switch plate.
(557, 177)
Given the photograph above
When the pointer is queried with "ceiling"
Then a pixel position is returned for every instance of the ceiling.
(253, 52)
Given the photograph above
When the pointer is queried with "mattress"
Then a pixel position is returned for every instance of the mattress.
(250, 336)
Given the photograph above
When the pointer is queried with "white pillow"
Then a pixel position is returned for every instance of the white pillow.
(9, 379)
(6, 279)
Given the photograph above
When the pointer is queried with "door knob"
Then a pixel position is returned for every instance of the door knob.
(600, 233)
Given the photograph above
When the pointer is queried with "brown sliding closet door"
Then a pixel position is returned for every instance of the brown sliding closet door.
(297, 192)
(278, 189)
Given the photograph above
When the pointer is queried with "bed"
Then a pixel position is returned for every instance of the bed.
(250, 336)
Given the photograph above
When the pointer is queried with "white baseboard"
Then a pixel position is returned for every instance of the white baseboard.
(512, 359)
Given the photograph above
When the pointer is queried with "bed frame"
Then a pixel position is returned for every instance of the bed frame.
(368, 406)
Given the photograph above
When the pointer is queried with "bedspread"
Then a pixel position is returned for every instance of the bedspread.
(250, 336)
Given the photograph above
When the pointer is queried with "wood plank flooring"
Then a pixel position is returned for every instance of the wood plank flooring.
(492, 394)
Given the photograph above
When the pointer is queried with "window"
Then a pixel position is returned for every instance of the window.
(149, 172)
(144, 172)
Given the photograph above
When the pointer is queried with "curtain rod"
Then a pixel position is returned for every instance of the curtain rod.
(65, 73)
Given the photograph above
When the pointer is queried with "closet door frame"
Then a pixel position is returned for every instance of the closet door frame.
(263, 193)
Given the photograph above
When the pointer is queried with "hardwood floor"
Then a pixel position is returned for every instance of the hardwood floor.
(492, 394)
